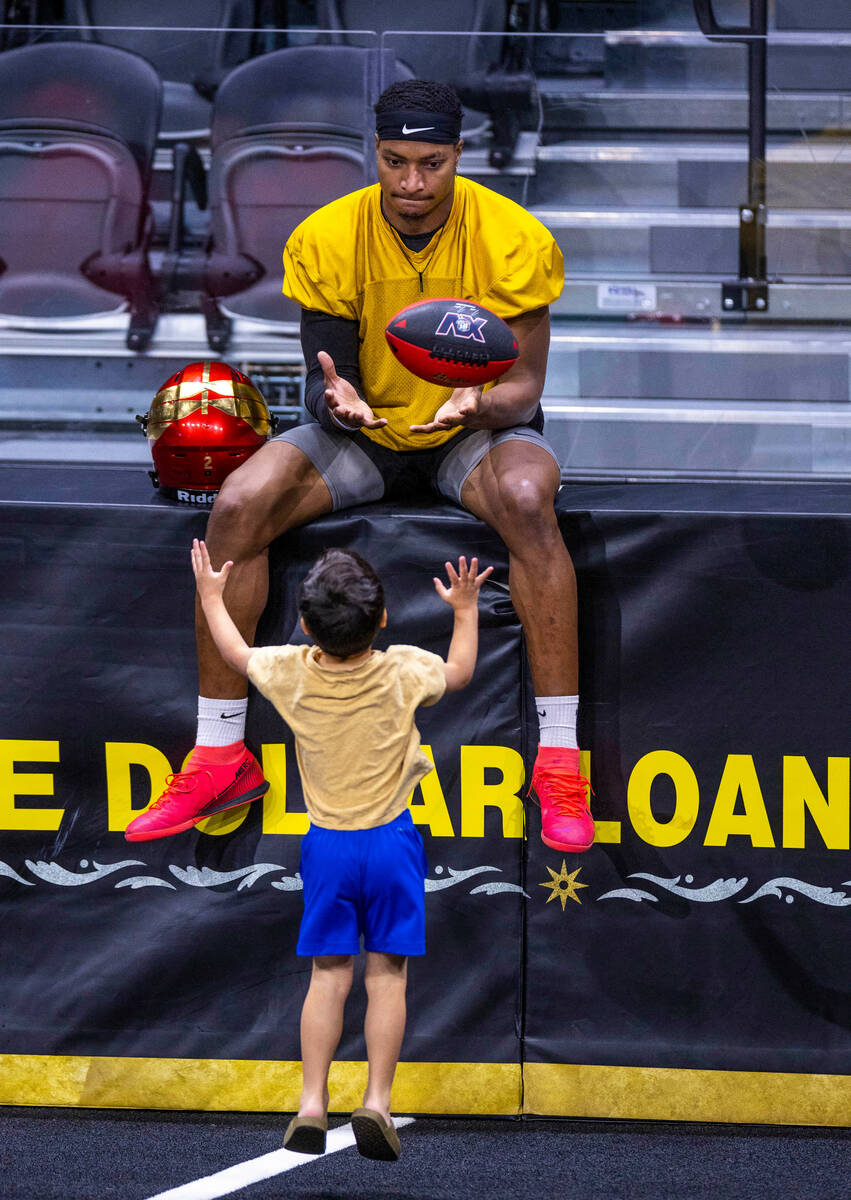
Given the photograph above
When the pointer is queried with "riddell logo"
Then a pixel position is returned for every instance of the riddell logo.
(459, 325)
(196, 497)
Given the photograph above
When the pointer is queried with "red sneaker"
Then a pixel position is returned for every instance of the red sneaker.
(562, 793)
(196, 793)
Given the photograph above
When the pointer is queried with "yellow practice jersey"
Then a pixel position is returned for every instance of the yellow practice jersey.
(346, 260)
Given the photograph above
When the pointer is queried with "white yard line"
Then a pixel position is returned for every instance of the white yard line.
(223, 1183)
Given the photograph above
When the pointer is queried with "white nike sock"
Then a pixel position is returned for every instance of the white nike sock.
(220, 722)
(557, 720)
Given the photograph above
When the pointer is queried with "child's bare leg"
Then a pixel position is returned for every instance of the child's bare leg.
(386, 979)
(321, 1027)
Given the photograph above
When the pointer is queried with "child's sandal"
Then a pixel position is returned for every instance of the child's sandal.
(374, 1137)
(306, 1135)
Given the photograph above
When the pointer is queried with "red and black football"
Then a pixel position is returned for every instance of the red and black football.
(453, 343)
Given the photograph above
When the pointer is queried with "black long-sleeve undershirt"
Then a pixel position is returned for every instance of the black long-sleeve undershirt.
(339, 337)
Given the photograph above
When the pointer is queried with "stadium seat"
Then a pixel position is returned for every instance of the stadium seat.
(192, 43)
(447, 59)
(291, 131)
(78, 125)
(496, 90)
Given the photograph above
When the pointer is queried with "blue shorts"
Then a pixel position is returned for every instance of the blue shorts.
(366, 883)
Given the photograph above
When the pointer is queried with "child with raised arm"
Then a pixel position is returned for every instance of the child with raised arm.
(351, 710)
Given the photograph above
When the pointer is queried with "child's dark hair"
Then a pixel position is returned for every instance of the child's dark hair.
(341, 601)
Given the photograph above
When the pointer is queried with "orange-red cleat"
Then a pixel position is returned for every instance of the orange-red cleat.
(196, 793)
(562, 792)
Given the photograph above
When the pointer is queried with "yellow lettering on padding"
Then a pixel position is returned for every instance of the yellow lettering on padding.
(687, 803)
(433, 811)
(225, 822)
(801, 793)
(476, 795)
(604, 831)
(739, 778)
(23, 783)
(276, 819)
(120, 757)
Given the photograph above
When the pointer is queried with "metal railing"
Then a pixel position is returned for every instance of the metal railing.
(750, 291)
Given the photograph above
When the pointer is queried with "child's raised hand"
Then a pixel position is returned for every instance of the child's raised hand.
(464, 584)
(208, 581)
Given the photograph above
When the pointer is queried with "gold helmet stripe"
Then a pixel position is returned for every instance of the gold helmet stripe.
(205, 379)
(197, 387)
(220, 389)
(236, 397)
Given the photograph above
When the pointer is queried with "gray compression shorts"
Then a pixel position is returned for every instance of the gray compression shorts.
(359, 471)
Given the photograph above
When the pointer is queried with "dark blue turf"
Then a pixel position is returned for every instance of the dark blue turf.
(58, 1154)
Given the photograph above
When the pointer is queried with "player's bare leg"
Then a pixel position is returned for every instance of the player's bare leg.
(276, 489)
(513, 490)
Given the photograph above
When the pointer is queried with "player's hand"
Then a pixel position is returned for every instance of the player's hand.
(343, 401)
(464, 584)
(461, 408)
(210, 583)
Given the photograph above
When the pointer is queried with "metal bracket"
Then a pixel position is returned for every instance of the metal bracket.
(217, 324)
(750, 291)
(744, 296)
(752, 222)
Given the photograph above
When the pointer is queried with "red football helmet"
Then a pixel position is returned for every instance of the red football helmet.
(204, 422)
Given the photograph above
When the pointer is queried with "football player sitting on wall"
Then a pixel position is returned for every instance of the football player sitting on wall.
(381, 433)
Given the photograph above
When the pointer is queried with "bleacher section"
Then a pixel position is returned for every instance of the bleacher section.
(620, 125)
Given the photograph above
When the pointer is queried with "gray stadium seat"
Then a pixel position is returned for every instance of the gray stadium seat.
(78, 125)
(192, 43)
(455, 60)
(290, 133)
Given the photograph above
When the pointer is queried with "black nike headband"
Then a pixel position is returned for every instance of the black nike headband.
(415, 125)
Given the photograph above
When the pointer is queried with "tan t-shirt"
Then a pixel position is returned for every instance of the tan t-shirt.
(357, 746)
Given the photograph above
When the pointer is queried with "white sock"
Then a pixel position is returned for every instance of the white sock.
(220, 722)
(557, 720)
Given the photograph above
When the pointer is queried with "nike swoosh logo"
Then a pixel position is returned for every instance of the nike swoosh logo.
(542, 714)
(419, 129)
(229, 716)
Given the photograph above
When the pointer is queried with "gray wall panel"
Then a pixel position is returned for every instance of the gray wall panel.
(658, 374)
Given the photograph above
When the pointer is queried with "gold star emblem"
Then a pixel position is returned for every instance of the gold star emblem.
(563, 885)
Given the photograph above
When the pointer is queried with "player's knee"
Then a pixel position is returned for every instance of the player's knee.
(234, 521)
(528, 504)
(235, 492)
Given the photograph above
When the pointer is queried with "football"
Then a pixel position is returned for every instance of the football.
(452, 343)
